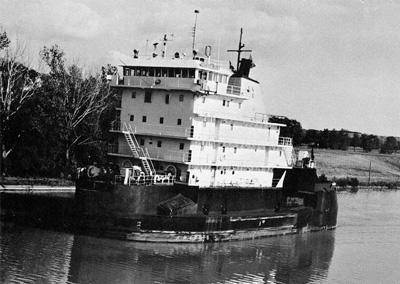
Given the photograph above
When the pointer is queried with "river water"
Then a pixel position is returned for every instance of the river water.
(365, 248)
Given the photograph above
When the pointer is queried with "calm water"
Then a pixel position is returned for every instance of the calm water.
(365, 248)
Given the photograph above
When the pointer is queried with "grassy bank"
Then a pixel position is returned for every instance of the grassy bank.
(343, 164)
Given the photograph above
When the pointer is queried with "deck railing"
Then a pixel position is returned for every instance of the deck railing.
(156, 82)
(143, 179)
(286, 141)
(157, 154)
(155, 129)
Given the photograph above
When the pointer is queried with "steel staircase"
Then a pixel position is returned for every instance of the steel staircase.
(137, 151)
(290, 156)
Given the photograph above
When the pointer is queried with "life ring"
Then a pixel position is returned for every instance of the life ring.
(171, 169)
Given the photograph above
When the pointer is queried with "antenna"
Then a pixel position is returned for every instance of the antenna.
(239, 50)
(194, 29)
(165, 40)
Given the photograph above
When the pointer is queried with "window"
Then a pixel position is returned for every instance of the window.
(151, 72)
(191, 73)
(179, 121)
(223, 103)
(181, 98)
(202, 147)
(227, 103)
(223, 149)
(167, 97)
(240, 105)
(181, 146)
(147, 97)
(161, 120)
(144, 118)
(131, 117)
(234, 150)
(141, 142)
(185, 73)
(133, 94)
(159, 143)
(231, 126)
(171, 72)
(204, 100)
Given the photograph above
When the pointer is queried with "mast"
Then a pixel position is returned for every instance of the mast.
(239, 50)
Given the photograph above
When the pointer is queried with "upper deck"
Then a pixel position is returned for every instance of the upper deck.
(196, 75)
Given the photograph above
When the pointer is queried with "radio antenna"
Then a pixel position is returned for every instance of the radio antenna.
(194, 28)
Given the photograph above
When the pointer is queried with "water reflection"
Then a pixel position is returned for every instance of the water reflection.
(34, 256)
(40, 256)
(289, 259)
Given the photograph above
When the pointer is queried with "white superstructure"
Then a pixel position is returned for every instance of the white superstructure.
(196, 120)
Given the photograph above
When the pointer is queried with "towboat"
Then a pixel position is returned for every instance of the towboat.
(197, 159)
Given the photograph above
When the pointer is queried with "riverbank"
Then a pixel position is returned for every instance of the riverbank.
(366, 167)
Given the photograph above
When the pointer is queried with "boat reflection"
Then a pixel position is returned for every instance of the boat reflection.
(287, 259)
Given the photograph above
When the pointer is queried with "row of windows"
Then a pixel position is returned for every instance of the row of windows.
(159, 143)
(224, 102)
(160, 72)
(212, 76)
(175, 73)
(144, 119)
(148, 96)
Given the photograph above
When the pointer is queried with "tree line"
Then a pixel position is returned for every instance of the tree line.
(51, 121)
(335, 139)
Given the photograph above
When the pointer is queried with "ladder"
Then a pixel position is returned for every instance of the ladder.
(137, 151)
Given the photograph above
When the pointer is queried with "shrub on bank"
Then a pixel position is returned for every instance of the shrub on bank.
(382, 184)
(343, 182)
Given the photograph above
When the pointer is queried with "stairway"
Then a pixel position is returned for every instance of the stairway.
(290, 156)
(137, 151)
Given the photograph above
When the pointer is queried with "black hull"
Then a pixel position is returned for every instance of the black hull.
(179, 213)
(219, 214)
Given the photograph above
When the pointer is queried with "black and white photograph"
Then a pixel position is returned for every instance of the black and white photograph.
(211, 141)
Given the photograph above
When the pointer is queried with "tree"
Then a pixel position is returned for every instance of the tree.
(18, 84)
(389, 146)
(324, 139)
(293, 128)
(369, 142)
(311, 137)
(355, 141)
(78, 102)
(343, 139)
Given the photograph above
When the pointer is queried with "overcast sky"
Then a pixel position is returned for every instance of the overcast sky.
(327, 64)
